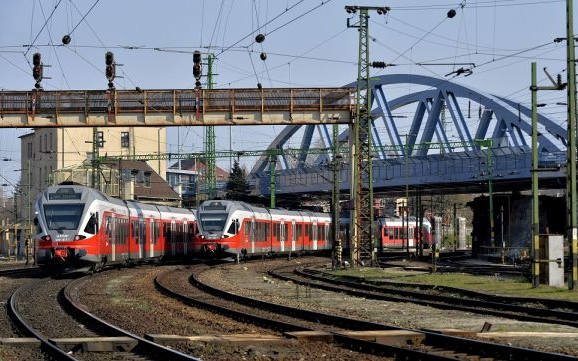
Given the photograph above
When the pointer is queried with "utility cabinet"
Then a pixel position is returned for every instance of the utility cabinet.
(552, 260)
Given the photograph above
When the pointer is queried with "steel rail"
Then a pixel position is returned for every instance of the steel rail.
(349, 342)
(103, 326)
(487, 349)
(518, 312)
(550, 303)
(46, 346)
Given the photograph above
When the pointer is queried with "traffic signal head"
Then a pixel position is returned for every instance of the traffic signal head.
(110, 72)
(109, 58)
(37, 72)
(36, 59)
(197, 57)
(197, 69)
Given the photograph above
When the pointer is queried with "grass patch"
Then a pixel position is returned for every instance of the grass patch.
(486, 284)
(119, 297)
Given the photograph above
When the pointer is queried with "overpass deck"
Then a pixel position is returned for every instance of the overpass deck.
(175, 107)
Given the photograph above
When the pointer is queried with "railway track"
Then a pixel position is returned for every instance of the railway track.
(353, 333)
(100, 341)
(523, 309)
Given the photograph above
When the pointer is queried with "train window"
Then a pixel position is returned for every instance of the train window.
(213, 222)
(247, 225)
(63, 216)
(233, 228)
(92, 224)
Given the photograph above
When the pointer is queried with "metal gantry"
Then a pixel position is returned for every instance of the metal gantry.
(361, 192)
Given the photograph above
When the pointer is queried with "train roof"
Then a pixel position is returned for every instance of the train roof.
(70, 193)
(229, 206)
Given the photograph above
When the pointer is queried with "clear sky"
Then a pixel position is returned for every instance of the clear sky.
(307, 45)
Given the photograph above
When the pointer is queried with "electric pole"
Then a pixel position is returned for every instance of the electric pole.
(572, 234)
(210, 166)
(557, 85)
(361, 193)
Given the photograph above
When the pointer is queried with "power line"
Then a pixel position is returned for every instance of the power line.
(85, 15)
(43, 26)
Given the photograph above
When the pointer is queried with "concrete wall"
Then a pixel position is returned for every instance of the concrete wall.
(517, 222)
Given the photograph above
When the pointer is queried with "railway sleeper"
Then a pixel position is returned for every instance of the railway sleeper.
(96, 344)
(20, 342)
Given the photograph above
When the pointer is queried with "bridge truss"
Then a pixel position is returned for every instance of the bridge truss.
(428, 137)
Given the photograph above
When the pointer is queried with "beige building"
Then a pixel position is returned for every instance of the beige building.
(47, 149)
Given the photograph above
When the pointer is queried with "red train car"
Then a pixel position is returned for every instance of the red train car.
(82, 227)
(238, 229)
(393, 232)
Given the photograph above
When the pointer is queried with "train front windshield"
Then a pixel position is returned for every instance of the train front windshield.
(63, 216)
(213, 222)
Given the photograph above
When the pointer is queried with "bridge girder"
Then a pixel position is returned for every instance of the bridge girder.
(508, 123)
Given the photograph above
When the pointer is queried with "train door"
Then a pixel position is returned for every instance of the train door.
(152, 238)
(293, 236)
(141, 236)
(314, 241)
(184, 237)
(252, 236)
(113, 238)
(172, 238)
(282, 236)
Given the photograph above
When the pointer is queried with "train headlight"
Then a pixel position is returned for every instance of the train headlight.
(46, 238)
(225, 236)
(79, 237)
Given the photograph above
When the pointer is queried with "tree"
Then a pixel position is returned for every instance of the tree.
(237, 185)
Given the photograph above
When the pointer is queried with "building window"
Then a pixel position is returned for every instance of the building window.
(51, 144)
(124, 140)
(147, 179)
(29, 150)
(40, 144)
(45, 142)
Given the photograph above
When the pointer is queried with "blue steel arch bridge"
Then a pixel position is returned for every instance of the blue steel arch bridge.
(435, 135)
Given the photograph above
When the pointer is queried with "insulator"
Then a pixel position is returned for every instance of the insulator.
(36, 59)
(263, 56)
(109, 58)
(259, 86)
(197, 57)
(37, 86)
(110, 85)
(260, 38)
(66, 39)
(451, 13)
(198, 84)
(378, 64)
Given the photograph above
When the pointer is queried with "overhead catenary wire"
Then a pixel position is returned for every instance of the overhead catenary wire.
(83, 17)
(251, 33)
(42, 28)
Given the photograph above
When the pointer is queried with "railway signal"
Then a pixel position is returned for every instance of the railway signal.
(110, 70)
(37, 69)
(197, 68)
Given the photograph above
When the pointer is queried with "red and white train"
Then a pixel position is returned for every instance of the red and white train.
(393, 232)
(236, 228)
(80, 226)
